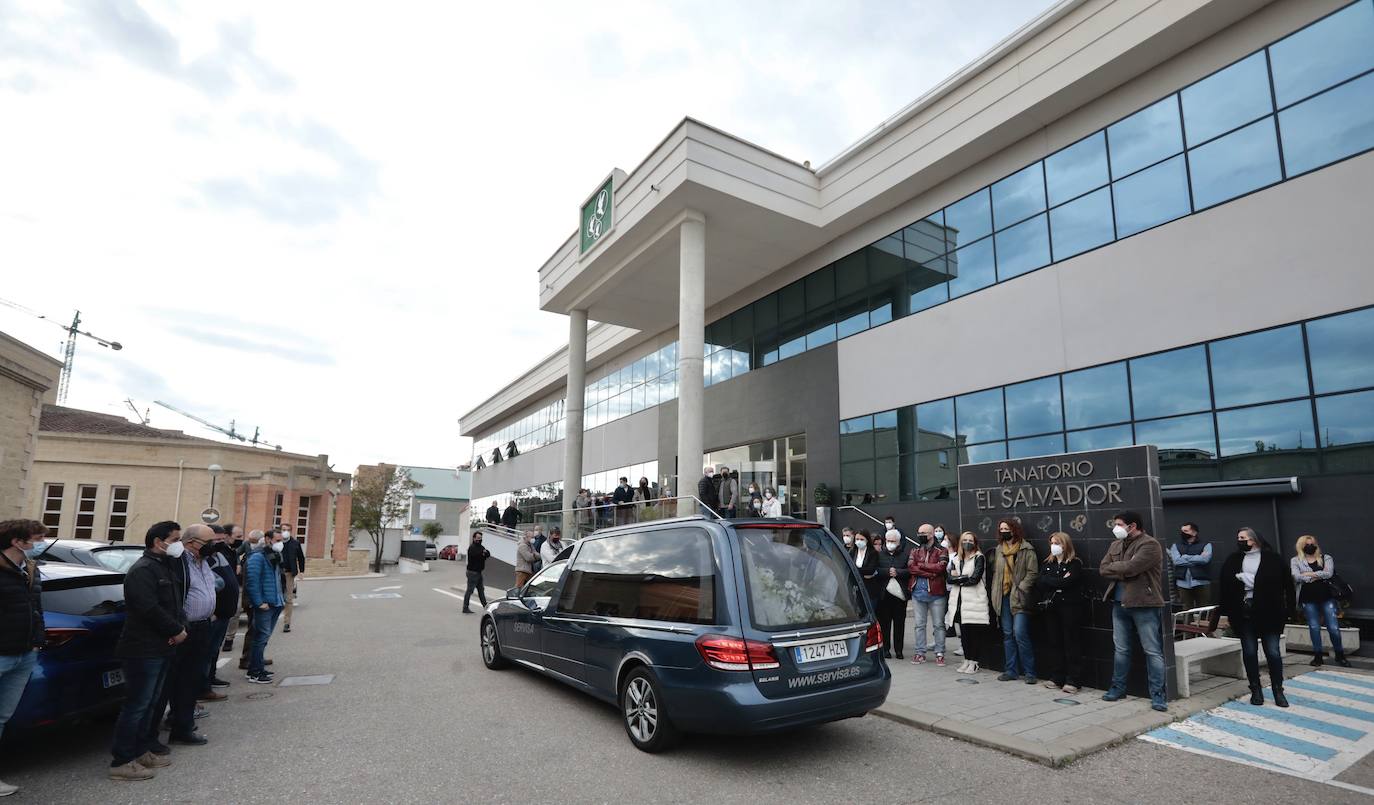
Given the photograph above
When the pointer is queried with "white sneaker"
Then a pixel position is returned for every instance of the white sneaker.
(6, 789)
(959, 651)
(966, 667)
(973, 669)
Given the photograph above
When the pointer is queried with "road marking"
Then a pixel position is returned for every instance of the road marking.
(447, 593)
(393, 587)
(1328, 728)
(374, 595)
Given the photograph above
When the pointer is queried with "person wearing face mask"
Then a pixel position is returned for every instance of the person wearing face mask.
(1192, 560)
(968, 610)
(706, 491)
(1312, 570)
(477, 563)
(1061, 599)
(229, 551)
(253, 543)
(526, 555)
(552, 547)
(866, 559)
(22, 631)
(1132, 567)
(942, 538)
(154, 625)
(890, 524)
(1256, 594)
(292, 566)
(1015, 567)
(893, 573)
(644, 496)
(186, 678)
(227, 594)
(772, 506)
(263, 583)
(729, 492)
(847, 536)
(755, 500)
(927, 563)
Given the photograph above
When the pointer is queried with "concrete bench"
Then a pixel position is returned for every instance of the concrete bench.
(1213, 655)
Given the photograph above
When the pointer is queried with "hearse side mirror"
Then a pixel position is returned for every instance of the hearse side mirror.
(513, 592)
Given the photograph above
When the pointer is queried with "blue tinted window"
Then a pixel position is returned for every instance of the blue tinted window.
(935, 424)
(1191, 435)
(1342, 351)
(1151, 197)
(821, 335)
(856, 480)
(1100, 438)
(968, 219)
(978, 453)
(1227, 99)
(1328, 51)
(1033, 407)
(928, 283)
(850, 325)
(1329, 127)
(1266, 428)
(885, 433)
(1048, 445)
(1170, 383)
(1077, 169)
(1233, 165)
(1018, 196)
(1145, 137)
(1346, 425)
(1259, 367)
(1096, 396)
(925, 239)
(791, 347)
(980, 416)
(1024, 247)
(1082, 224)
(971, 268)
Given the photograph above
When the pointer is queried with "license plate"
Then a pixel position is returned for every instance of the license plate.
(819, 652)
(112, 678)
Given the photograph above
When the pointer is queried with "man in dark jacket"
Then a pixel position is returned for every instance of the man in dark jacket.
(493, 514)
(1133, 567)
(510, 518)
(623, 498)
(21, 615)
(707, 493)
(222, 561)
(477, 563)
(292, 565)
(154, 625)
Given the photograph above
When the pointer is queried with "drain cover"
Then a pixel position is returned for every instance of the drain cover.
(967, 681)
(256, 696)
(1056, 701)
(316, 679)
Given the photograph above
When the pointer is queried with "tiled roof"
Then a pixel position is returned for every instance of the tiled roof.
(57, 419)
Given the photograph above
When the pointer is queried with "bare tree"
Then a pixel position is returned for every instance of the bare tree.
(381, 498)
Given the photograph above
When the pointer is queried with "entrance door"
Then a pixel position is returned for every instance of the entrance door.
(792, 457)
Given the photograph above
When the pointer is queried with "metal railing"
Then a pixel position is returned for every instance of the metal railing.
(876, 520)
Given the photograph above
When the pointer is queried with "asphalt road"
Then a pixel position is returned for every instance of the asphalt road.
(413, 716)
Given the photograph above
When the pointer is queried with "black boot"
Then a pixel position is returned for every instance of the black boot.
(1256, 695)
(1317, 660)
(1279, 698)
(1342, 661)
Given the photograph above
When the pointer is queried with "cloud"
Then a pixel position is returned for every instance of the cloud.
(228, 332)
(296, 353)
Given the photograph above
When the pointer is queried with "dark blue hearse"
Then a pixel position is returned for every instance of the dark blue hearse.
(700, 625)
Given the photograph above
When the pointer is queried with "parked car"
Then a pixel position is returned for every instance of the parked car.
(431, 551)
(116, 556)
(449, 552)
(77, 674)
(696, 625)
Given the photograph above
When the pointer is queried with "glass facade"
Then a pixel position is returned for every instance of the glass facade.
(1299, 104)
(1266, 421)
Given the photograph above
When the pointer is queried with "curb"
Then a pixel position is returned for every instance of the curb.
(1068, 748)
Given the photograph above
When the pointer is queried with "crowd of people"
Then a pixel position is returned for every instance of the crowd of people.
(182, 598)
(952, 584)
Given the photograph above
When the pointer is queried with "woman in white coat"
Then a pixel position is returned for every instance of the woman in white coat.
(772, 507)
(968, 601)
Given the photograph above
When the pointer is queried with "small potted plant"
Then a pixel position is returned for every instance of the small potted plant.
(821, 494)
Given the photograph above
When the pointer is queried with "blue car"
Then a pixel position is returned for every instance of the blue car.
(698, 625)
(77, 674)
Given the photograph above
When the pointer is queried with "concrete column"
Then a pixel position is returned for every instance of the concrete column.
(573, 415)
(691, 388)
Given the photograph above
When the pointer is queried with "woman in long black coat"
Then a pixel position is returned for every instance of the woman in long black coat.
(1256, 597)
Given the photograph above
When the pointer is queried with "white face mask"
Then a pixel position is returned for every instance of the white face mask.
(860, 544)
(890, 524)
(1056, 549)
(848, 540)
(768, 495)
(891, 544)
(279, 546)
(944, 544)
(175, 550)
(939, 533)
(1120, 532)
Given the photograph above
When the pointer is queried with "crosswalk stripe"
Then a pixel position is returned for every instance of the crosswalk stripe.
(1245, 729)
(1319, 701)
(1343, 684)
(1345, 679)
(1255, 749)
(1171, 736)
(1330, 691)
(1304, 721)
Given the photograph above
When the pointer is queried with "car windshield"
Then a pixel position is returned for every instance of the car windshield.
(120, 559)
(798, 577)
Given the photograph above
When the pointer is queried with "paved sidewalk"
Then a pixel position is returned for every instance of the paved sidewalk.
(1031, 721)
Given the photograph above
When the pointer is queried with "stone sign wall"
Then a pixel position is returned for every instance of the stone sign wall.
(1077, 493)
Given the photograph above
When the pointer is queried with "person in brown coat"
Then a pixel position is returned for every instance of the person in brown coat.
(1133, 567)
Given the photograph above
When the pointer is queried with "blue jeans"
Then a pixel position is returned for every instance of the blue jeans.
(1016, 641)
(1315, 614)
(143, 680)
(15, 670)
(933, 607)
(264, 622)
(1144, 624)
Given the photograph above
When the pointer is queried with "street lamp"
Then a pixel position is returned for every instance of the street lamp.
(215, 470)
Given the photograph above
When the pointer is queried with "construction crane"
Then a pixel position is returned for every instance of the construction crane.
(230, 432)
(64, 382)
(142, 418)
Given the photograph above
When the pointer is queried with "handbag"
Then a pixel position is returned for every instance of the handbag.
(894, 588)
(1339, 589)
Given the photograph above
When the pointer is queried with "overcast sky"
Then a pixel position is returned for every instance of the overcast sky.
(325, 219)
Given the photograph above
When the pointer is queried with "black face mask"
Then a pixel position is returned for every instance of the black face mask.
(1004, 535)
(1243, 545)
(968, 546)
(1309, 549)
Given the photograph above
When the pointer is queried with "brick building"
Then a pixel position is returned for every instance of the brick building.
(99, 476)
(28, 378)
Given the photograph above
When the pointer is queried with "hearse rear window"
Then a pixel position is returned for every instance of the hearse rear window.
(667, 575)
(798, 577)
